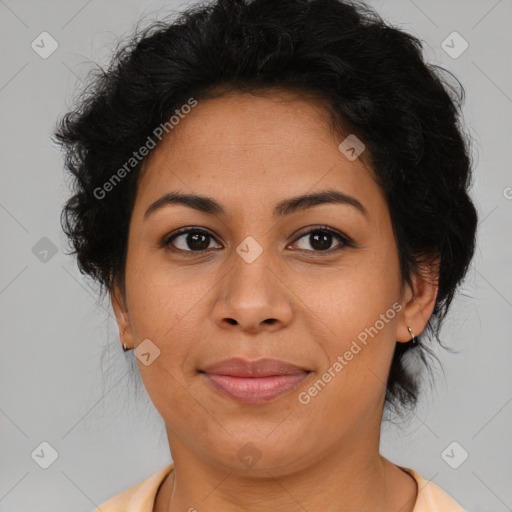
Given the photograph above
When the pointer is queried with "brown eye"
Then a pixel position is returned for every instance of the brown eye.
(190, 240)
(321, 239)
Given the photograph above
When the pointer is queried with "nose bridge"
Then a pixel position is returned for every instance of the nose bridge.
(252, 280)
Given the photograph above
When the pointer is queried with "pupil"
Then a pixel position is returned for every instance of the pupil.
(192, 238)
(324, 243)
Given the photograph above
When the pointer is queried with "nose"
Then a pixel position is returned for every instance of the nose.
(254, 297)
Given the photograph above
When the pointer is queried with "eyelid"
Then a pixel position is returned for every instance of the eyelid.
(167, 239)
(345, 240)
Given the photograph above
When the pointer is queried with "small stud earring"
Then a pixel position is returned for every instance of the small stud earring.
(412, 334)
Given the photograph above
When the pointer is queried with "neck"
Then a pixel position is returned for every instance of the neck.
(339, 482)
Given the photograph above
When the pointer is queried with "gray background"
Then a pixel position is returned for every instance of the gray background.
(64, 379)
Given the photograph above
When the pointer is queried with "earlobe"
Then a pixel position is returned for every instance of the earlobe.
(419, 304)
(121, 314)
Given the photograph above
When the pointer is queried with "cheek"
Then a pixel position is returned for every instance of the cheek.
(350, 386)
(352, 298)
(163, 312)
(167, 306)
(160, 297)
(358, 322)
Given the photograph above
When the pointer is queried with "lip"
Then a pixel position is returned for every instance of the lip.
(254, 381)
(239, 367)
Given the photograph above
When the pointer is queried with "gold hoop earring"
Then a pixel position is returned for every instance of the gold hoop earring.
(125, 348)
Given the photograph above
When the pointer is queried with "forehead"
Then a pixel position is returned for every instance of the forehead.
(262, 146)
(242, 122)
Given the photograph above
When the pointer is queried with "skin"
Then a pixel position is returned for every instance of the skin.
(249, 153)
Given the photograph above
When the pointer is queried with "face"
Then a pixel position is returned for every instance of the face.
(315, 284)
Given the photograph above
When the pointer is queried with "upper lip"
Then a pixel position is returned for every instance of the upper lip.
(239, 367)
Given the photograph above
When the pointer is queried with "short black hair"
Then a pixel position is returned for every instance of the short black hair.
(374, 82)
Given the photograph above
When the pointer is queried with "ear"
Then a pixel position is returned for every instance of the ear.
(121, 312)
(418, 303)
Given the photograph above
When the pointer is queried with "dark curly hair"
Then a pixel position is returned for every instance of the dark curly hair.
(373, 82)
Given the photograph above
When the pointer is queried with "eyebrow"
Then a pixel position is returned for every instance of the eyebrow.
(287, 207)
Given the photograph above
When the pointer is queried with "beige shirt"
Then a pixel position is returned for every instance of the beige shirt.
(141, 497)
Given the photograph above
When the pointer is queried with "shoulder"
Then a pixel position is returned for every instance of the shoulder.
(138, 498)
(432, 498)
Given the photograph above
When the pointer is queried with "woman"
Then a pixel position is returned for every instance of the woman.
(275, 197)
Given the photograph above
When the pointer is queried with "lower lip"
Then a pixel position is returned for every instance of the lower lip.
(255, 390)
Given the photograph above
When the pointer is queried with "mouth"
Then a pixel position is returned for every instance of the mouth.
(254, 382)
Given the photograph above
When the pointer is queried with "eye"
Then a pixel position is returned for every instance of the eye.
(322, 238)
(196, 240)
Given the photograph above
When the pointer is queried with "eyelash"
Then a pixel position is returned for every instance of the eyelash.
(345, 240)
